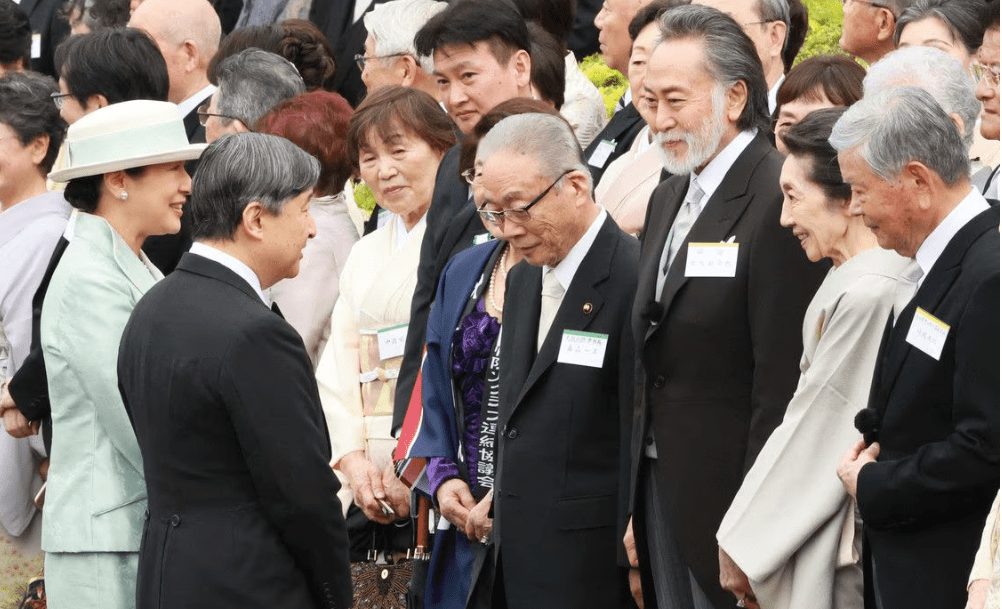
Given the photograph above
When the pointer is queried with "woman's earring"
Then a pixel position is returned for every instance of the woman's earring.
(124, 196)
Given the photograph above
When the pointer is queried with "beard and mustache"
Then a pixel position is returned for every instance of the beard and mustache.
(700, 145)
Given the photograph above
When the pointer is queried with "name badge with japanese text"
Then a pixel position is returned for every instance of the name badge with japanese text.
(391, 341)
(927, 334)
(482, 238)
(36, 45)
(601, 153)
(582, 348)
(712, 260)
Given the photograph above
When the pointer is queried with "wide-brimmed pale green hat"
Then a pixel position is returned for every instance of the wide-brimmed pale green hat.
(125, 135)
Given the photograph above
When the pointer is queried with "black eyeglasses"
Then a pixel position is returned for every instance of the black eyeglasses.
(60, 99)
(361, 59)
(519, 215)
(204, 114)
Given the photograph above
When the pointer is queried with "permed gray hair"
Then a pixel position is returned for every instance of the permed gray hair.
(244, 167)
(939, 73)
(393, 26)
(730, 55)
(544, 137)
(252, 82)
(892, 128)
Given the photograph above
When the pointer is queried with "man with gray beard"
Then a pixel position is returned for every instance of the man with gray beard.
(717, 318)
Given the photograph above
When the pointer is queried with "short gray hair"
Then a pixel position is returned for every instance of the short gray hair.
(730, 55)
(238, 169)
(544, 137)
(252, 82)
(394, 25)
(939, 73)
(892, 128)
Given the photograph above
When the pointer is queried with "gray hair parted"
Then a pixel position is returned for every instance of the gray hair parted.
(241, 168)
(730, 55)
(894, 127)
(394, 25)
(544, 137)
(252, 82)
(938, 73)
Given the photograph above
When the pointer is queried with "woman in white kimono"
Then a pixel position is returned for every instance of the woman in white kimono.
(398, 136)
(31, 220)
(791, 537)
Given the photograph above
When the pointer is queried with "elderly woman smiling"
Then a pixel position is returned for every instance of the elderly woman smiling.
(397, 137)
(790, 537)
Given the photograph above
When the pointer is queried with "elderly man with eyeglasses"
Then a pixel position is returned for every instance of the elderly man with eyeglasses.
(868, 27)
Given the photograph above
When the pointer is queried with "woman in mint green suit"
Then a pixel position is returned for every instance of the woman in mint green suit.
(126, 177)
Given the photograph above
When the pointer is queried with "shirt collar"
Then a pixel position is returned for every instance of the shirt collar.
(931, 249)
(773, 92)
(193, 102)
(716, 170)
(241, 269)
(567, 267)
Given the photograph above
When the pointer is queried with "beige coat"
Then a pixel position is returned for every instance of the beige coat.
(626, 186)
(791, 527)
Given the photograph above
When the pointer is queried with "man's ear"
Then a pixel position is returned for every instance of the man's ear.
(922, 180)
(192, 55)
(885, 24)
(521, 65)
(777, 38)
(252, 220)
(735, 100)
(409, 67)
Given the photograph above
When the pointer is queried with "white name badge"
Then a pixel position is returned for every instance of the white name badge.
(391, 341)
(482, 238)
(712, 260)
(601, 153)
(583, 348)
(927, 334)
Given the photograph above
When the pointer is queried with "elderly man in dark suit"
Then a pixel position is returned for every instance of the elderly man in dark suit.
(565, 385)
(720, 301)
(243, 508)
(927, 470)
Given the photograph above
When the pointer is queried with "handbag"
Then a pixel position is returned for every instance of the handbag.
(379, 584)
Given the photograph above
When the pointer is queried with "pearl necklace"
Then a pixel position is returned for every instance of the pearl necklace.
(503, 263)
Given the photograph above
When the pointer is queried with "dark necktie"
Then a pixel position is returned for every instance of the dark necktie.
(274, 307)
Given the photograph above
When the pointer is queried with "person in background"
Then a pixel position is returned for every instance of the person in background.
(790, 538)
(868, 27)
(126, 176)
(251, 83)
(983, 587)
(87, 16)
(264, 37)
(617, 136)
(952, 26)
(767, 23)
(308, 49)
(390, 57)
(15, 38)
(987, 70)
(627, 184)
(927, 469)
(32, 218)
(396, 140)
(243, 509)
(549, 71)
(317, 122)
(800, 23)
(822, 81)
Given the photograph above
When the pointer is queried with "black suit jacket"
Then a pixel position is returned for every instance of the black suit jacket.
(49, 25)
(453, 224)
(621, 129)
(719, 355)
(556, 526)
(243, 510)
(925, 500)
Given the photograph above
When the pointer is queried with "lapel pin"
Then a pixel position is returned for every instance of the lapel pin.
(587, 308)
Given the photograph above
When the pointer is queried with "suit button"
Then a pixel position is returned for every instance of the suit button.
(512, 433)
(649, 441)
(659, 381)
(175, 520)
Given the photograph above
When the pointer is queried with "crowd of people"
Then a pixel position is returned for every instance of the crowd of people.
(255, 259)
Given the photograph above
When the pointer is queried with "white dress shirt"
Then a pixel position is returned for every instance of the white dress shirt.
(931, 249)
(186, 106)
(241, 269)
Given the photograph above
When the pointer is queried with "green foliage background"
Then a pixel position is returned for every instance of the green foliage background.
(822, 39)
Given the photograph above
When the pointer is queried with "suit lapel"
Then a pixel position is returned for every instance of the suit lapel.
(193, 263)
(519, 327)
(666, 203)
(574, 314)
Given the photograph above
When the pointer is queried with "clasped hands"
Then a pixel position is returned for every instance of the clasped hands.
(458, 506)
(371, 488)
(13, 421)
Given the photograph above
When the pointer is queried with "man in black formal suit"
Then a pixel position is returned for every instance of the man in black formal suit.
(243, 508)
(566, 371)
(927, 470)
(481, 54)
(615, 44)
(719, 306)
(48, 28)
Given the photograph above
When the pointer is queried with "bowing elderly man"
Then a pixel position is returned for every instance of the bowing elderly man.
(565, 391)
